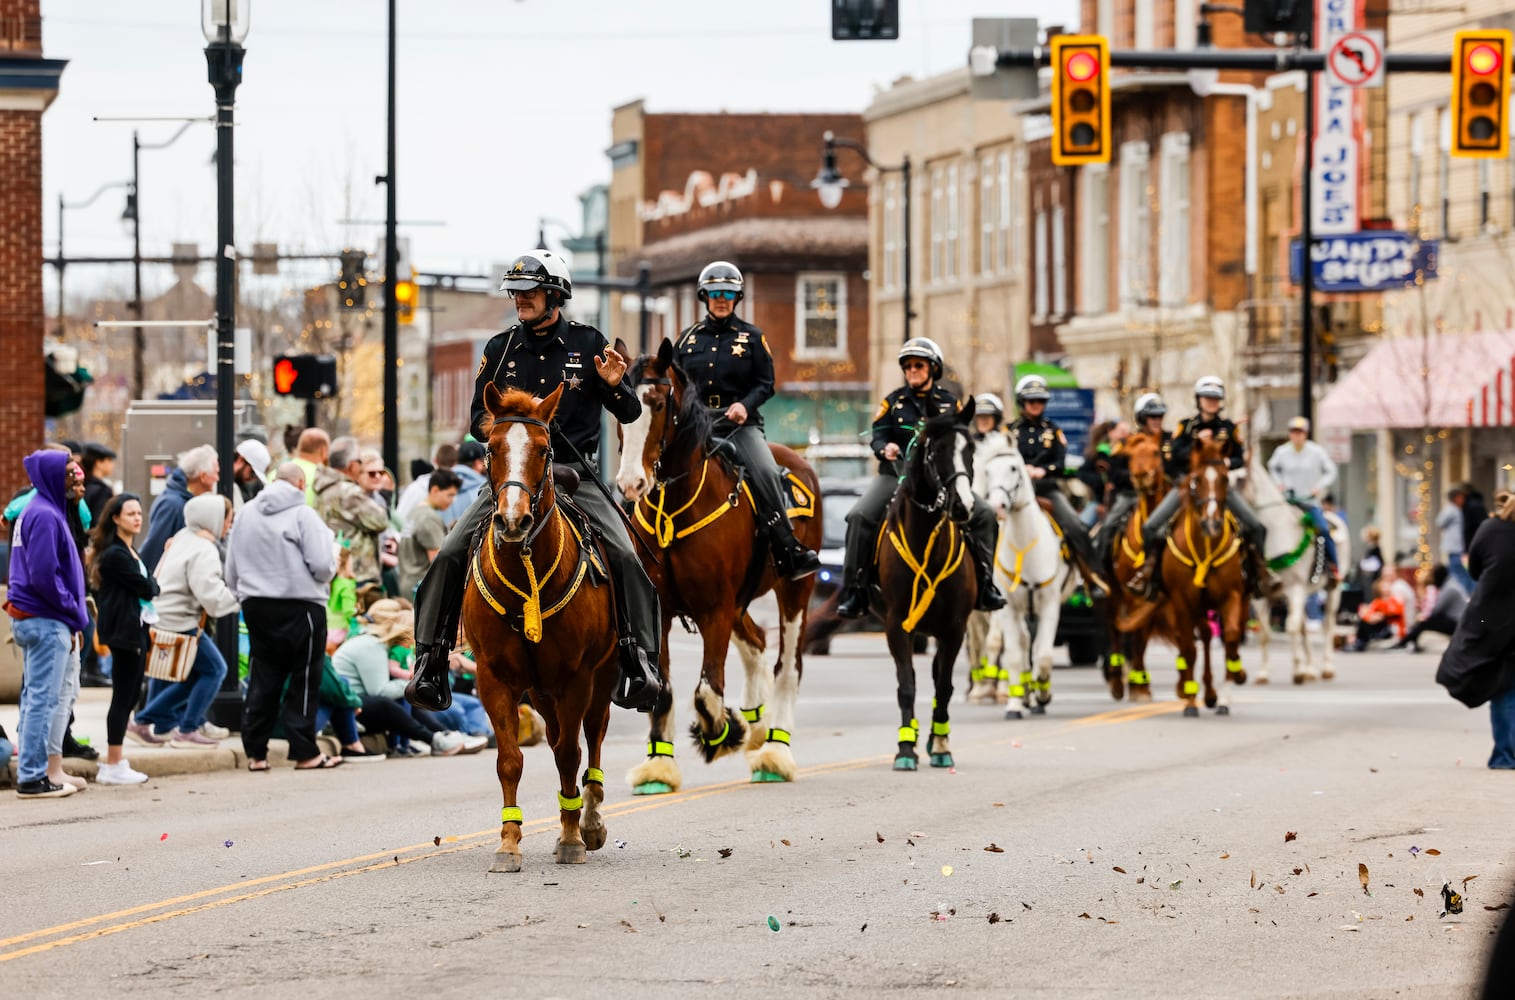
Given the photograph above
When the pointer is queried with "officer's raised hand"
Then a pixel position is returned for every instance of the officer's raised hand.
(611, 366)
(736, 413)
(891, 451)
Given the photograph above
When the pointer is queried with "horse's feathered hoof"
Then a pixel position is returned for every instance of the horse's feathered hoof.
(905, 763)
(655, 776)
(941, 760)
(569, 854)
(729, 740)
(505, 863)
(1191, 712)
(761, 777)
(652, 788)
(1013, 713)
(1223, 710)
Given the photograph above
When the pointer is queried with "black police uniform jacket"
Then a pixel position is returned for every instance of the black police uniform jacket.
(1184, 439)
(1120, 464)
(1041, 444)
(727, 362)
(901, 412)
(538, 362)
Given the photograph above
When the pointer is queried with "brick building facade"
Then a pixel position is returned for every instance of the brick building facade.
(28, 84)
(687, 189)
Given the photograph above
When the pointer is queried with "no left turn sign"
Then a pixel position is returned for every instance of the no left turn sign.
(1356, 60)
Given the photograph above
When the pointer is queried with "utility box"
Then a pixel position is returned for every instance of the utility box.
(157, 431)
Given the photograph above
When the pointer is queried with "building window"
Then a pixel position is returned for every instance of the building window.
(1135, 243)
(952, 223)
(1146, 25)
(821, 315)
(986, 215)
(1444, 176)
(891, 235)
(1059, 261)
(1094, 240)
(1039, 262)
(1173, 273)
(1105, 17)
(938, 223)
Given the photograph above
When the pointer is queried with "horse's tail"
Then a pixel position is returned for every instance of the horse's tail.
(1135, 615)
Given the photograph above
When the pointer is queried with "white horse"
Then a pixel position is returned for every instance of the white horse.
(1029, 569)
(1304, 574)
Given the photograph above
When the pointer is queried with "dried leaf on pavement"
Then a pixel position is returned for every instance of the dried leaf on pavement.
(880, 836)
(1362, 876)
(1419, 892)
(1466, 880)
(1289, 835)
(725, 852)
(1298, 870)
(995, 849)
(1224, 856)
(1254, 878)
(629, 929)
(1118, 868)
(994, 918)
(786, 843)
(1496, 909)
(1084, 916)
(1433, 852)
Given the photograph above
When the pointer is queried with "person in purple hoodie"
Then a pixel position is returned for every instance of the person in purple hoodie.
(46, 601)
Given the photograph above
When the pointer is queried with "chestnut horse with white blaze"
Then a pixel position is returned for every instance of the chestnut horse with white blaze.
(539, 617)
(926, 576)
(693, 510)
(1127, 663)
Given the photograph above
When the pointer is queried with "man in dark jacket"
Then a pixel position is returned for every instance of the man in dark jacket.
(99, 464)
(1479, 663)
(46, 603)
(196, 471)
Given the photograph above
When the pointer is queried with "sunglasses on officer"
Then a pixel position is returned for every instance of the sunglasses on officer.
(727, 295)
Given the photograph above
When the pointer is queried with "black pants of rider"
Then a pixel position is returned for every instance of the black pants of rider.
(439, 598)
(1074, 532)
(868, 513)
(750, 449)
(1156, 528)
(1114, 523)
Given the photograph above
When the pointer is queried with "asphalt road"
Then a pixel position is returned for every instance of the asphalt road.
(1130, 843)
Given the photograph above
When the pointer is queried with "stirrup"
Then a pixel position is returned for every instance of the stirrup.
(990, 598)
(854, 601)
(639, 683)
(429, 685)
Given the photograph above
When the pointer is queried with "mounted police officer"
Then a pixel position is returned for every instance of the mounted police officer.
(988, 415)
(729, 367)
(1045, 450)
(1206, 425)
(900, 413)
(539, 353)
(1150, 412)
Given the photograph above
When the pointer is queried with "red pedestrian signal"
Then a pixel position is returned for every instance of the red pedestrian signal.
(305, 376)
(1080, 99)
(1481, 93)
(285, 376)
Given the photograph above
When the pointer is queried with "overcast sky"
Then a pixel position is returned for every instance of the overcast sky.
(503, 106)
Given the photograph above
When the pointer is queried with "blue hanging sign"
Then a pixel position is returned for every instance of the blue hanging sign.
(1375, 260)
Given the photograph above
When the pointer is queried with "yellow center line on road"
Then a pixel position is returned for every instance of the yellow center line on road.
(463, 842)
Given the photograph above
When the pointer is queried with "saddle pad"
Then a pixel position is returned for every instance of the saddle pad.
(798, 500)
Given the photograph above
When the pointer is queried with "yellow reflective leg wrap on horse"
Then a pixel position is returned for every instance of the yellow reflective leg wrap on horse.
(1233, 666)
(1001, 674)
(595, 775)
(910, 733)
(1117, 660)
(778, 736)
(725, 732)
(753, 714)
(570, 804)
(510, 814)
(660, 749)
(1180, 664)
(1140, 677)
(941, 728)
(1019, 690)
(1191, 687)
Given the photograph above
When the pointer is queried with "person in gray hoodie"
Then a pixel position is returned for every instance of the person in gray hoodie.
(279, 564)
(190, 590)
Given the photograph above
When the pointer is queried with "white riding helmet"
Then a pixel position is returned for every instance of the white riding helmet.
(1032, 389)
(1210, 387)
(987, 404)
(1150, 404)
(925, 349)
(720, 275)
(538, 269)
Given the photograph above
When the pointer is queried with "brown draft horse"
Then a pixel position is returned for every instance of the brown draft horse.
(1203, 571)
(925, 573)
(692, 508)
(537, 624)
(1126, 663)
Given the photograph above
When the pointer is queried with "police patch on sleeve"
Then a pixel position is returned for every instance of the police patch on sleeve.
(483, 360)
(1060, 438)
(883, 408)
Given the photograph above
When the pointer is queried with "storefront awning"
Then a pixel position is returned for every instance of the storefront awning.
(1425, 381)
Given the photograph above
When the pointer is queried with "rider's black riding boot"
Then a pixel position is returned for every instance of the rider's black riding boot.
(859, 561)
(792, 559)
(430, 685)
(989, 596)
(1147, 581)
(854, 601)
(639, 683)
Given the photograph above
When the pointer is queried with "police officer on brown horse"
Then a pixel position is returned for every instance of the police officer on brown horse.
(543, 351)
(899, 415)
(727, 363)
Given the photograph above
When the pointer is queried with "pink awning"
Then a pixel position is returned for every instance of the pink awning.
(1431, 381)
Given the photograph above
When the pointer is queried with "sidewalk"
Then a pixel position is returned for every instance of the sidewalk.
(155, 762)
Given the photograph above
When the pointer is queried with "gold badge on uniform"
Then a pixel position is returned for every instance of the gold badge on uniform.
(737, 350)
(1047, 438)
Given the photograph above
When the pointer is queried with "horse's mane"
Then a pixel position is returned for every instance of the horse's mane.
(513, 403)
(693, 421)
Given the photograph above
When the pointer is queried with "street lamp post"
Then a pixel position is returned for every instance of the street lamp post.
(225, 25)
(829, 184)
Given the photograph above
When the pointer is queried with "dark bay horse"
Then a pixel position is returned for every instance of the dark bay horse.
(1203, 571)
(1128, 647)
(536, 623)
(925, 573)
(692, 508)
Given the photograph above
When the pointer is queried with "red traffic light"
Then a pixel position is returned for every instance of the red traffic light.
(1483, 60)
(285, 375)
(1081, 66)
